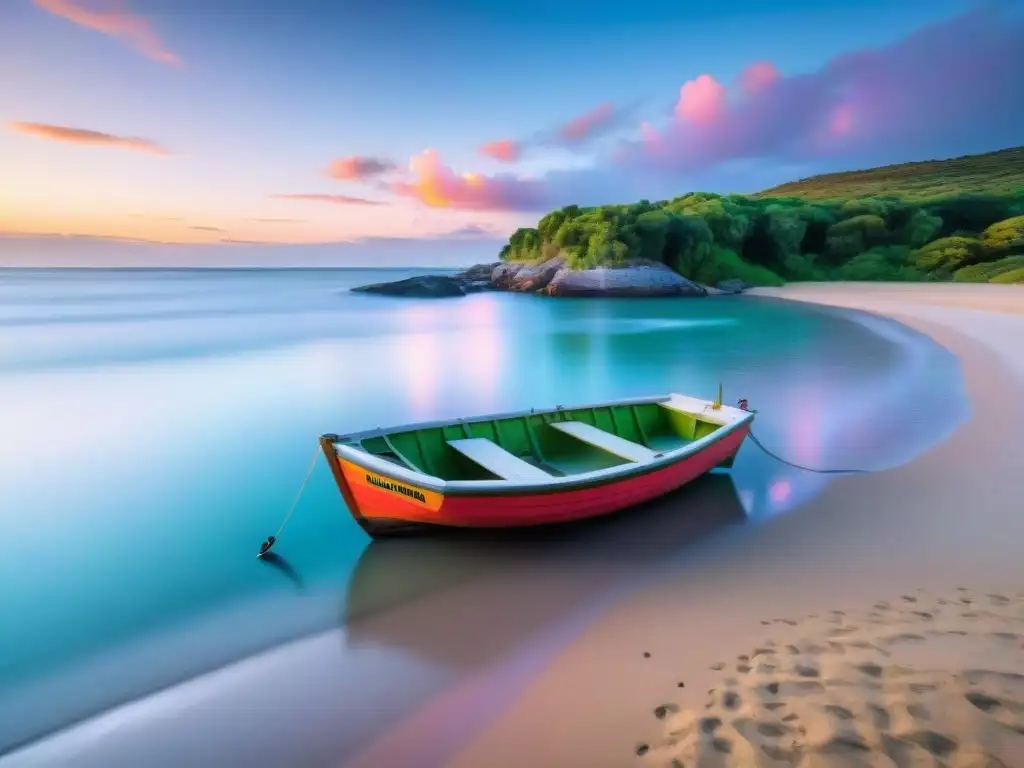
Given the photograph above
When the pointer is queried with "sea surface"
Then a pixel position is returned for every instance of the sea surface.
(156, 426)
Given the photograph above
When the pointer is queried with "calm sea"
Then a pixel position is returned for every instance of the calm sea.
(156, 425)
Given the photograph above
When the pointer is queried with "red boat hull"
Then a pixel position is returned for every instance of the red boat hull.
(385, 506)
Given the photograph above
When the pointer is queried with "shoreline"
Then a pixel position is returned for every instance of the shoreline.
(703, 611)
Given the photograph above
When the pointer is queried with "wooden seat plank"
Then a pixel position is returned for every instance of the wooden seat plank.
(497, 460)
(606, 441)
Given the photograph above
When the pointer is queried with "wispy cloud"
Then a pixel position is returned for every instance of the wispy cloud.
(575, 133)
(201, 228)
(86, 136)
(77, 238)
(589, 124)
(470, 232)
(358, 168)
(116, 20)
(505, 150)
(335, 199)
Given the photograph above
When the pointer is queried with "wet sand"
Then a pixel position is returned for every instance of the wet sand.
(885, 548)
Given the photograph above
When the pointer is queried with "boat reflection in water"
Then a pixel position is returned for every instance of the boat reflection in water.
(489, 611)
(469, 598)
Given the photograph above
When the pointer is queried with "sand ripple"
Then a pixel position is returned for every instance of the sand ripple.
(914, 682)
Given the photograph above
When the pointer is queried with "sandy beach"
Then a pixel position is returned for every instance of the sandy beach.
(897, 642)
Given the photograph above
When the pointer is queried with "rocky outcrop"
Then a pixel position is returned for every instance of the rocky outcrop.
(478, 273)
(421, 287)
(550, 278)
(639, 280)
(525, 278)
(473, 280)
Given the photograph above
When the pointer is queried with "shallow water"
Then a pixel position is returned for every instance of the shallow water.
(157, 425)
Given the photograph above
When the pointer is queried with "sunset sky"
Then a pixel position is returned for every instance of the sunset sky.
(311, 121)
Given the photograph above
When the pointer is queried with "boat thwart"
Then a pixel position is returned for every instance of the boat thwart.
(531, 467)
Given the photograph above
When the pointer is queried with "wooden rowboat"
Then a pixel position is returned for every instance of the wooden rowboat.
(532, 467)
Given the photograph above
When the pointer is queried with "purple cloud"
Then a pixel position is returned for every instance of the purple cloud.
(940, 90)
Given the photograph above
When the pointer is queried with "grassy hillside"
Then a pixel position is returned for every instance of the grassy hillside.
(994, 173)
(957, 220)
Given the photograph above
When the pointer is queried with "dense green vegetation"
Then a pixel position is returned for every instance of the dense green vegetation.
(959, 219)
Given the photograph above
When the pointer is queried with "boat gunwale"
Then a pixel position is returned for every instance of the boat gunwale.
(605, 476)
(378, 431)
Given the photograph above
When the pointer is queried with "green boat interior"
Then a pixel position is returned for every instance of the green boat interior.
(544, 444)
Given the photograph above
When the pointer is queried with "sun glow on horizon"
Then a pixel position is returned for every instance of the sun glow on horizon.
(282, 225)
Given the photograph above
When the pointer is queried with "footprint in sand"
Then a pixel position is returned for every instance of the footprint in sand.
(999, 695)
(662, 711)
(919, 688)
(902, 637)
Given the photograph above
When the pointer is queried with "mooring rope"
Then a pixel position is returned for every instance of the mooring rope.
(778, 458)
(295, 503)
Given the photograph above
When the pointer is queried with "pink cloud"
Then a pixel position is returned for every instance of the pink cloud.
(358, 168)
(758, 76)
(87, 136)
(701, 100)
(437, 186)
(334, 199)
(505, 150)
(586, 125)
(113, 18)
(877, 105)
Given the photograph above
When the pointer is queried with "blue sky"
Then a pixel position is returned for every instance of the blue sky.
(219, 119)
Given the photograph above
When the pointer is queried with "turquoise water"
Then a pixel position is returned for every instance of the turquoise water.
(156, 426)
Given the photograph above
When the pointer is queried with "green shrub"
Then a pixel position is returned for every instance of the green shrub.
(983, 273)
(885, 263)
(727, 265)
(1005, 236)
(920, 228)
(1013, 276)
(949, 253)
